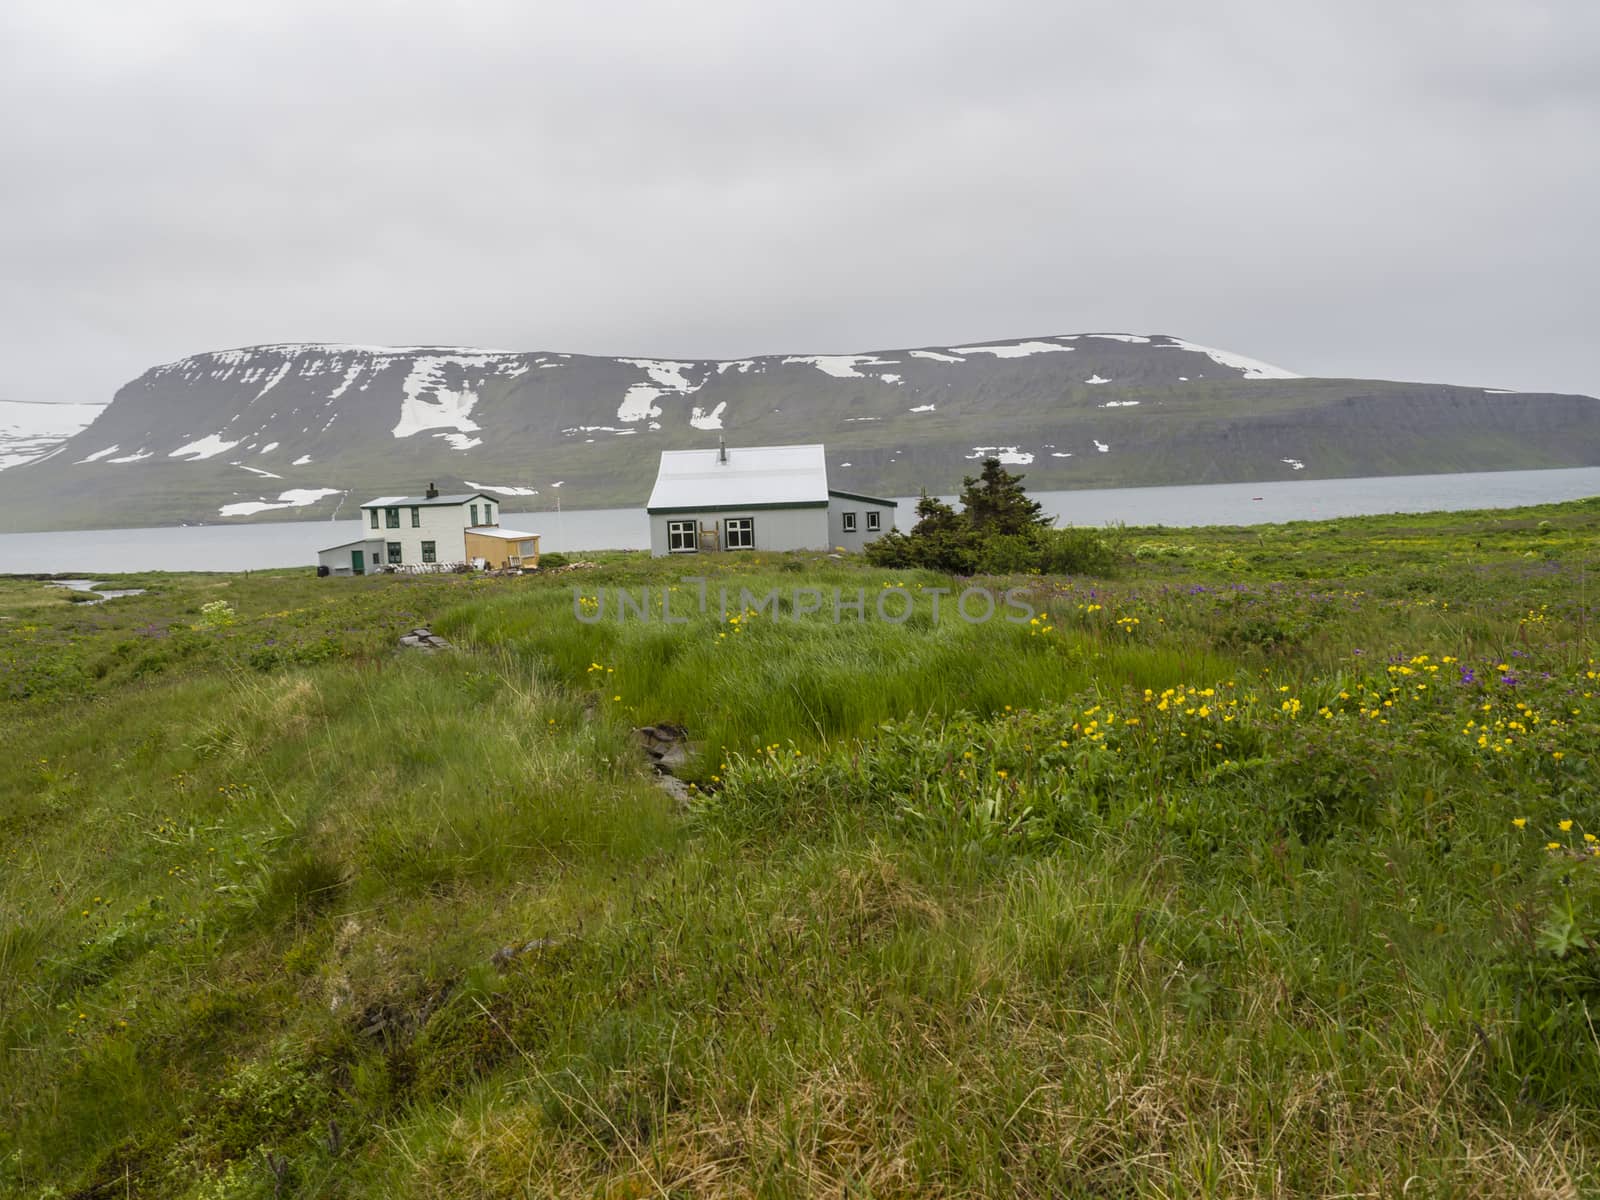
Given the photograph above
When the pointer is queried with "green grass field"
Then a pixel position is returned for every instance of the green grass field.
(1268, 867)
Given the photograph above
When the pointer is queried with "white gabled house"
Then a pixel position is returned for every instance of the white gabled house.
(757, 498)
(431, 531)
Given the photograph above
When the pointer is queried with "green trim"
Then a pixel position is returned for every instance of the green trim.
(734, 508)
(863, 499)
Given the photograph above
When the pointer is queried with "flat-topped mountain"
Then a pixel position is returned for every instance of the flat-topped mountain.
(309, 430)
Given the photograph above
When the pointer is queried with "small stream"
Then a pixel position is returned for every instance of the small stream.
(93, 588)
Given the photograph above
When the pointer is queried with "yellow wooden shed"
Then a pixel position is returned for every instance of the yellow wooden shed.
(499, 549)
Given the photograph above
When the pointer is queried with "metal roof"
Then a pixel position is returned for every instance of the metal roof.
(510, 535)
(863, 497)
(752, 475)
(351, 545)
(425, 501)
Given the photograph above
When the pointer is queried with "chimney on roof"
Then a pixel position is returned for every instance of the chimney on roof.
(722, 450)
(433, 492)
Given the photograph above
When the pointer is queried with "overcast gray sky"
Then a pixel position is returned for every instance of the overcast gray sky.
(1341, 187)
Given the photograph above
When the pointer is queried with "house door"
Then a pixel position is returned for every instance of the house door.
(358, 562)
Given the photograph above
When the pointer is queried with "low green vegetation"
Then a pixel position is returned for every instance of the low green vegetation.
(1268, 865)
(998, 530)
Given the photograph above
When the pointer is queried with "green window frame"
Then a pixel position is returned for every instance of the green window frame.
(393, 552)
(391, 518)
(474, 520)
(428, 554)
(374, 518)
(416, 518)
(488, 514)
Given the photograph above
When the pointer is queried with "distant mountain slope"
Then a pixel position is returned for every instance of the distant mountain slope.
(310, 430)
(28, 430)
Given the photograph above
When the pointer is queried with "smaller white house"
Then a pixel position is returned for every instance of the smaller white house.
(757, 498)
(424, 532)
(351, 558)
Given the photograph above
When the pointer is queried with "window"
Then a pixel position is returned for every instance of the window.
(849, 522)
(525, 549)
(374, 518)
(682, 537)
(427, 550)
(416, 518)
(872, 522)
(488, 514)
(474, 514)
(394, 550)
(391, 518)
(740, 533)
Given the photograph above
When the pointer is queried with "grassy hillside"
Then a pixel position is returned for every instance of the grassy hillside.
(1265, 868)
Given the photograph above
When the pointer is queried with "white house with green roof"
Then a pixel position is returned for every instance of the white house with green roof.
(415, 532)
(757, 498)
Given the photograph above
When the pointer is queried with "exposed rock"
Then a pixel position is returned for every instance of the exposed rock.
(668, 750)
(504, 956)
(422, 639)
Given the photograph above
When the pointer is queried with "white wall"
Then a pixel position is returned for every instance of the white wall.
(776, 529)
(338, 561)
(839, 505)
(442, 524)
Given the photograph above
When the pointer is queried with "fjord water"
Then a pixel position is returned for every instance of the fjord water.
(242, 547)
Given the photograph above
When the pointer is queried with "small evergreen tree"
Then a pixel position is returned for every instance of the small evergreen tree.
(941, 540)
(995, 504)
(999, 531)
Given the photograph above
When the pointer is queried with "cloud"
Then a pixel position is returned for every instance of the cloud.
(1356, 190)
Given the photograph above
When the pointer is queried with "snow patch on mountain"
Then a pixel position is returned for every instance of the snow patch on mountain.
(842, 366)
(503, 489)
(1012, 349)
(701, 419)
(293, 498)
(936, 356)
(275, 379)
(1253, 368)
(1009, 456)
(639, 403)
(429, 404)
(921, 408)
(207, 447)
(350, 375)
